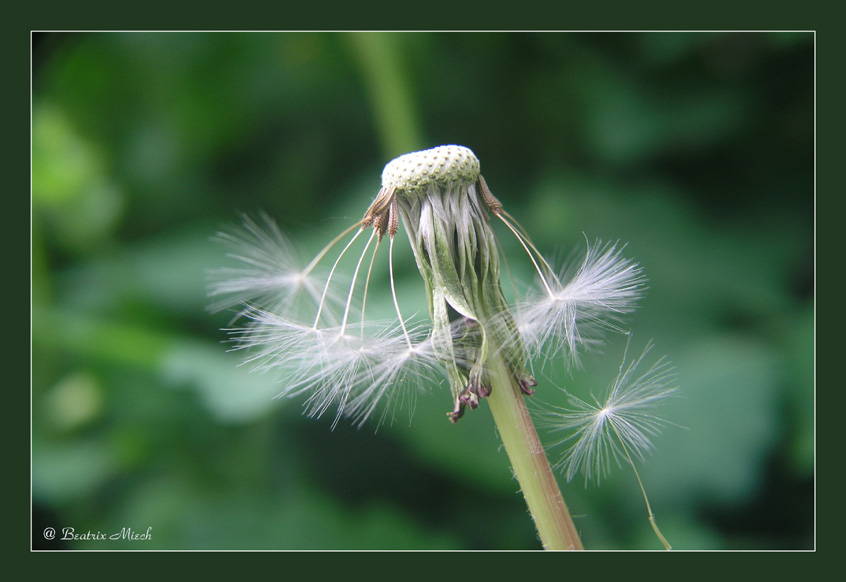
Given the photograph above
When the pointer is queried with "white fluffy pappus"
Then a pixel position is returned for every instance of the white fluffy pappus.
(268, 270)
(354, 368)
(619, 427)
(570, 311)
(315, 347)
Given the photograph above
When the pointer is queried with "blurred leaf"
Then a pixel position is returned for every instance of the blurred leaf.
(729, 421)
(66, 472)
(70, 186)
(799, 357)
(230, 392)
(74, 402)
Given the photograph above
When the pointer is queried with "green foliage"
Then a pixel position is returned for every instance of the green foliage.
(695, 149)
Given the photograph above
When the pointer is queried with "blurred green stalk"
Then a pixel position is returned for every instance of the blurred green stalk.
(394, 110)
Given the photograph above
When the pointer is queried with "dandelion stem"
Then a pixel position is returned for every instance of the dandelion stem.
(528, 461)
(643, 490)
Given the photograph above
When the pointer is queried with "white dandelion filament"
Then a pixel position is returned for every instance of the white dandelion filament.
(329, 278)
(354, 278)
(330, 246)
(649, 511)
(367, 284)
(524, 242)
(394, 292)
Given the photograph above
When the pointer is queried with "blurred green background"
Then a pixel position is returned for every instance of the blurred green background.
(696, 149)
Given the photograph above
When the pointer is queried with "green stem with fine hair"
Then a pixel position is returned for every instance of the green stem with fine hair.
(529, 463)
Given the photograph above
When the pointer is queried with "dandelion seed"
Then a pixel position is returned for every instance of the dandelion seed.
(572, 309)
(618, 428)
(326, 348)
(623, 418)
(268, 273)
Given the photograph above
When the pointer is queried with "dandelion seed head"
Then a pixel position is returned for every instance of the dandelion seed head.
(443, 164)
(313, 331)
